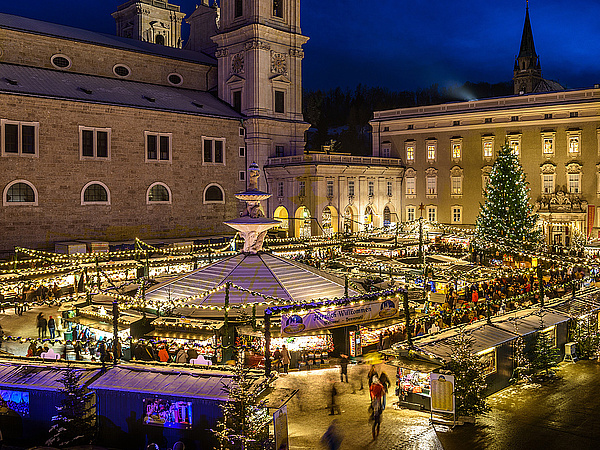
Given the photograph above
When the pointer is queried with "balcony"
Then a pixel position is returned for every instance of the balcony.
(323, 158)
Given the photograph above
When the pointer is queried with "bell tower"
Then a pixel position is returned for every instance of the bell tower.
(527, 73)
(150, 21)
(259, 53)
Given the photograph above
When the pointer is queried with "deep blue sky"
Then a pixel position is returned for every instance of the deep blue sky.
(405, 44)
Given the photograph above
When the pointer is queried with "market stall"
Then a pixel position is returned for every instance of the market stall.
(413, 385)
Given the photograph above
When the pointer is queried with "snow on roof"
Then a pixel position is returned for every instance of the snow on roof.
(38, 377)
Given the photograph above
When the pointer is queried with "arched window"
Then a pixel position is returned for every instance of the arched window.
(20, 192)
(160, 39)
(95, 193)
(158, 193)
(387, 217)
(214, 194)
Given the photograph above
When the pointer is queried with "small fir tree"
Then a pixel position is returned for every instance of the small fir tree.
(469, 377)
(245, 419)
(75, 422)
(522, 366)
(506, 213)
(585, 333)
(544, 355)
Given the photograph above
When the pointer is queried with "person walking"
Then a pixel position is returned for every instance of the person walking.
(332, 437)
(51, 327)
(334, 405)
(276, 359)
(38, 324)
(343, 367)
(285, 358)
(376, 408)
(385, 382)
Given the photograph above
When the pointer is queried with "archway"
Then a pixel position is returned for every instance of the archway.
(329, 221)
(370, 218)
(281, 214)
(303, 222)
(350, 222)
(390, 218)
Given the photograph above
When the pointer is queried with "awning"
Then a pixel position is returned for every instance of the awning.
(90, 323)
(187, 336)
(413, 364)
(276, 398)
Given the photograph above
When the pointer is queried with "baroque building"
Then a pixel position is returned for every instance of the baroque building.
(449, 150)
(140, 134)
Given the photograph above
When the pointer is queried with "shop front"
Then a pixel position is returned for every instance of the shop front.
(413, 381)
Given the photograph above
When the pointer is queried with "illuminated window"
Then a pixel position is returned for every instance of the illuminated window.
(488, 149)
(410, 153)
(456, 150)
(574, 144)
(515, 146)
(548, 145)
(411, 213)
(431, 147)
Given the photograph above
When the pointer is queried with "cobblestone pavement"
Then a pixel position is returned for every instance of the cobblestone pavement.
(308, 413)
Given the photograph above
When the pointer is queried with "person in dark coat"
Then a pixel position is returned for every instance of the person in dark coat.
(51, 327)
(344, 367)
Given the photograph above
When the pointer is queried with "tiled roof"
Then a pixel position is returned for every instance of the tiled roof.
(263, 273)
(71, 86)
(25, 24)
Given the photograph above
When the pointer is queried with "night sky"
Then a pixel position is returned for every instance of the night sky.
(405, 44)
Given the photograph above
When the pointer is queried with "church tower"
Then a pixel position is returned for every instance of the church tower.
(259, 52)
(527, 71)
(150, 21)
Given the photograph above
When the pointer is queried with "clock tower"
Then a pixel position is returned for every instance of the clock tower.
(259, 52)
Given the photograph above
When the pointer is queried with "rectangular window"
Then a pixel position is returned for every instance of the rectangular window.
(431, 185)
(329, 188)
(431, 152)
(94, 143)
(242, 176)
(302, 188)
(278, 8)
(573, 144)
(573, 114)
(455, 123)
(279, 151)
(488, 149)
(214, 150)
(548, 146)
(411, 213)
(456, 185)
(574, 183)
(488, 120)
(19, 138)
(484, 180)
(514, 118)
(236, 100)
(410, 153)
(456, 150)
(239, 8)
(242, 152)
(432, 213)
(548, 183)
(411, 127)
(279, 102)
(389, 188)
(410, 186)
(158, 146)
(457, 214)
(548, 116)
(280, 189)
(515, 146)
(371, 189)
(350, 188)
(386, 151)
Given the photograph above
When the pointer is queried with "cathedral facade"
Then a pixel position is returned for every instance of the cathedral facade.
(142, 135)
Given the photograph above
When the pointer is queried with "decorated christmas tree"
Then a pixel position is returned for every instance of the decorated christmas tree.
(245, 419)
(469, 377)
(506, 216)
(544, 355)
(75, 422)
(585, 332)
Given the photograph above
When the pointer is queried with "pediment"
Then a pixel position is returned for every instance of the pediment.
(280, 78)
(235, 78)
